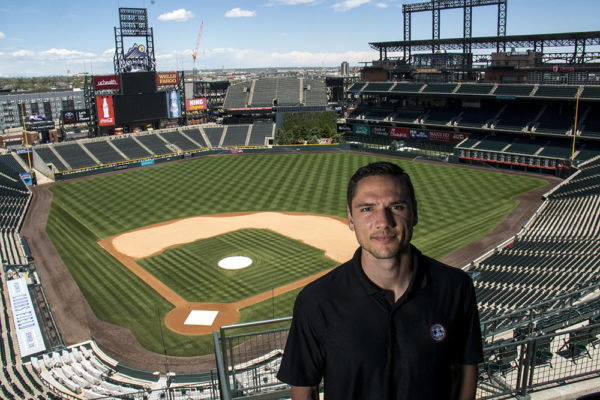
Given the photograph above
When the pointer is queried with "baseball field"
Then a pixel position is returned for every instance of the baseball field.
(456, 206)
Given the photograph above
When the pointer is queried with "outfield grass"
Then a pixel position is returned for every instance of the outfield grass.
(456, 206)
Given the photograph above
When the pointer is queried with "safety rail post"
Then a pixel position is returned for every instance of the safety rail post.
(221, 370)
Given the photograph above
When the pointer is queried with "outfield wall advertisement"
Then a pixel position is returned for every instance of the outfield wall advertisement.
(409, 133)
(362, 129)
(29, 335)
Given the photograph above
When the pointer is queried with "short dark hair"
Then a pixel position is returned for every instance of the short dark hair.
(379, 168)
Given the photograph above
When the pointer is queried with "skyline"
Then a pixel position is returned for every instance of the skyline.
(39, 38)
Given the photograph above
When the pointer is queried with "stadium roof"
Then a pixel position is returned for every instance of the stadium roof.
(537, 42)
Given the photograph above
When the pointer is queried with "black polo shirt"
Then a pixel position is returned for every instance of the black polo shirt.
(348, 331)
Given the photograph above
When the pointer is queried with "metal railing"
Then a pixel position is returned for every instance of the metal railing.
(248, 357)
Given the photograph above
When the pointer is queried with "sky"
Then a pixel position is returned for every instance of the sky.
(41, 37)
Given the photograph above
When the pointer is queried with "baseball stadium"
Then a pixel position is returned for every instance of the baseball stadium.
(160, 256)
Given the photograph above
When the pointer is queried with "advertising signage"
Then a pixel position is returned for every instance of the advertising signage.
(69, 117)
(380, 130)
(362, 129)
(107, 82)
(83, 115)
(167, 78)
(173, 100)
(451, 137)
(195, 104)
(402, 133)
(106, 113)
(419, 134)
(72, 117)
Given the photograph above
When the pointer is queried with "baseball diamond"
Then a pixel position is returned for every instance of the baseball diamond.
(456, 206)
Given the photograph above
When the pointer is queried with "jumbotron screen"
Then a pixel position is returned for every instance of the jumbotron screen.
(140, 107)
(138, 82)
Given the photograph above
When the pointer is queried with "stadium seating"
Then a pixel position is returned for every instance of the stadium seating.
(154, 144)
(494, 143)
(590, 124)
(441, 115)
(556, 149)
(517, 117)
(556, 91)
(182, 142)
(590, 92)
(235, 135)
(555, 254)
(407, 87)
(237, 95)
(214, 135)
(315, 93)
(131, 148)
(357, 87)
(264, 92)
(407, 115)
(477, 89)
(195, 135)
(377, 113)
(513, 90)
(261, 131)
(555, 119)
(525, 145)
(378, 87)
(103, 151)
(75, 155)
(439, 88)
(477, 117)
(49, 157)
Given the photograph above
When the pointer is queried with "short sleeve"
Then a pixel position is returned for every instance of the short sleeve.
(304, 357)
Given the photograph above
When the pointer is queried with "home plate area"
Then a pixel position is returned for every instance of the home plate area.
(201, 317)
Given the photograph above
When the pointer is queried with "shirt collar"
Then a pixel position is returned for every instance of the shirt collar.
(419, 278)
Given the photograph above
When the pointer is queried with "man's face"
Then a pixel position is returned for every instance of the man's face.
(382, 216)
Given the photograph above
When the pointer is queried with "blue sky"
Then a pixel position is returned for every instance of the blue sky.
(41, 37)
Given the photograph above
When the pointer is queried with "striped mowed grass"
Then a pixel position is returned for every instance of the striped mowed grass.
(456, 206)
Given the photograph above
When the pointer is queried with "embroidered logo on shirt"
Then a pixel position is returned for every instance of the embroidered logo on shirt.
(437, 332)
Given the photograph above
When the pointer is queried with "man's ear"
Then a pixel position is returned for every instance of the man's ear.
(350, 220)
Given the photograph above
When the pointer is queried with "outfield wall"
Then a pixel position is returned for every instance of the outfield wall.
(77, 173)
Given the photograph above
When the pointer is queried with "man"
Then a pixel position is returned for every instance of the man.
(391, 323)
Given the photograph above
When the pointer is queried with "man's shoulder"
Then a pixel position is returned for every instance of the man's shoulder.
(329, 284)
(443, 272)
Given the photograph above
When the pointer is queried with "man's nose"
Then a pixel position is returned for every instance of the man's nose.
(384, 218)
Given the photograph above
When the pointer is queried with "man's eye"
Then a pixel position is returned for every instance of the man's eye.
(365, 209)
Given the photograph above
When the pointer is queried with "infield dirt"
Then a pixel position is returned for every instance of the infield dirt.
(327, 233)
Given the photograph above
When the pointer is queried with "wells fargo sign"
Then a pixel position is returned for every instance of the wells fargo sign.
(167, 78)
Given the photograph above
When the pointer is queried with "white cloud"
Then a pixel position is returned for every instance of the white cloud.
(22, 53)
(250, 58)
(179, 15)
(2, 35)
(382, 5)
(349, 4)
(239, 13)
(64, 54)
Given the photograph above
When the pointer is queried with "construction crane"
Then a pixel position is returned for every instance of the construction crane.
(195, 55)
